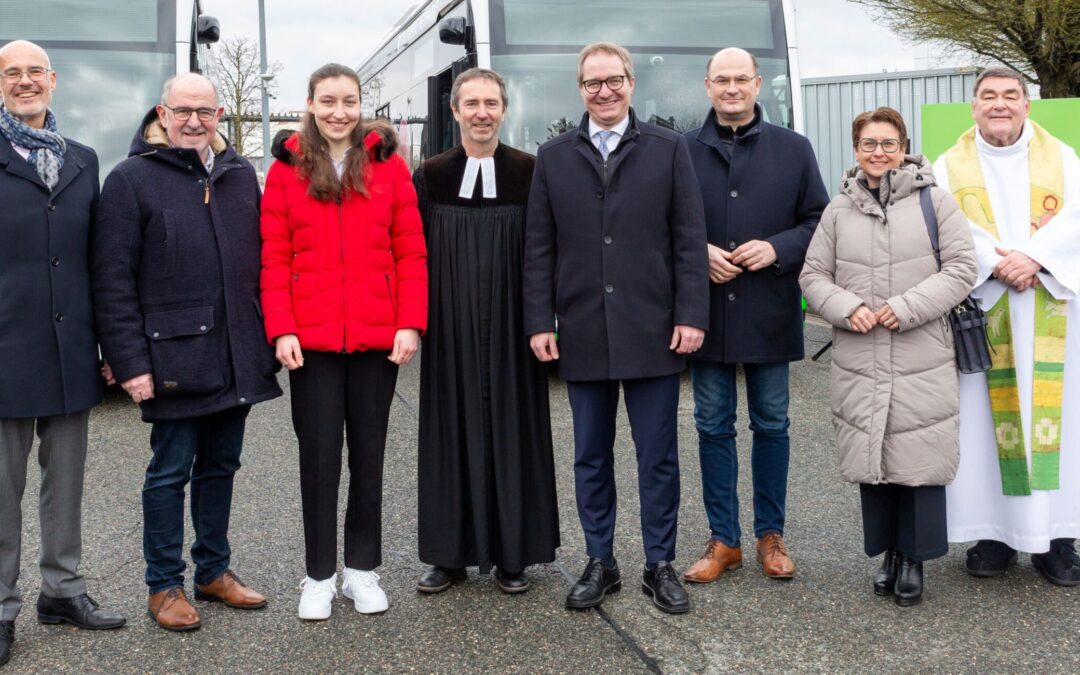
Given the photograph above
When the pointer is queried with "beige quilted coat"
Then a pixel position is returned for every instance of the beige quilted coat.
(894, 394)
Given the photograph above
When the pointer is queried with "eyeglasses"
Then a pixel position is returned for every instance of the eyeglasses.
(184, 114)
(888, 146)
(613, 83)
(35, 73)
(741, 81)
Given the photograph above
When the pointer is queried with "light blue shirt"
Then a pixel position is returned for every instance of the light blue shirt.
(617, 133)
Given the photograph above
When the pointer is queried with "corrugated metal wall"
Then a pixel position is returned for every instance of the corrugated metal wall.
(831, 103)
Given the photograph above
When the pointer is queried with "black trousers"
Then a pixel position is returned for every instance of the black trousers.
(338, 397)
(910, 519)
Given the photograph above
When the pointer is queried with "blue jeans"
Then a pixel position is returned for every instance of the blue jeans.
(206, 451)
(715, 402)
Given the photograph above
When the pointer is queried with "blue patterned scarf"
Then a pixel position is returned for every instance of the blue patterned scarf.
(45, 145)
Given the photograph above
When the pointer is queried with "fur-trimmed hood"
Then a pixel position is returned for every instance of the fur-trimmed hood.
(380, 139)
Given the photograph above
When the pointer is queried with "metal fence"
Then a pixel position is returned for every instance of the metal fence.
(831, 103)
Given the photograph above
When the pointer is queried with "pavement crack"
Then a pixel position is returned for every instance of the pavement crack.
(649, 662)
(631, 644)
(407, 403)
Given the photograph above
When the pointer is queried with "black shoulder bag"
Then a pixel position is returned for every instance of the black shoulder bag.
(967, 320)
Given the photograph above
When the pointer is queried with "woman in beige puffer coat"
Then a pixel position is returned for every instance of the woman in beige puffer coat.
(870, 271)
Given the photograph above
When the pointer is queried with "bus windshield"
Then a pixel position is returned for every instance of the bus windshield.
(534, 45)
(642, 23)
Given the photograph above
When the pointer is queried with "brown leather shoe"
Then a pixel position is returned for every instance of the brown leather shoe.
(773, 556)
(172, 611)
(717, 557)
(229, 589)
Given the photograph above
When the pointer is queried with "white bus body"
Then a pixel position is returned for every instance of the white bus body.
(534, 44)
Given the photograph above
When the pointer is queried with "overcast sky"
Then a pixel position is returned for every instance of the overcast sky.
(835, 37)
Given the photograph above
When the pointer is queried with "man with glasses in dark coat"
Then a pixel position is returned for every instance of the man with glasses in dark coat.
(763, 199)
(49, 188)
(615, 264)
(176, 261)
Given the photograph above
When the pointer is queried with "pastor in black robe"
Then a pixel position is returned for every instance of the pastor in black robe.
(487, 477)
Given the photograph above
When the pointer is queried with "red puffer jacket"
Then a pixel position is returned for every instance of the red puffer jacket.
(343, 277)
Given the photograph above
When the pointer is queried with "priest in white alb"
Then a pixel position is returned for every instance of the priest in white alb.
(1018, 485)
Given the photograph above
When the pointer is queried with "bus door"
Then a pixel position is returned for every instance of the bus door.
(442, 132)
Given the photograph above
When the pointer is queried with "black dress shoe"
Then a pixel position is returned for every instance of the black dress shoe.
(437, 579)
(909, 581)
(885, 578)
(79, 611)
(662, 585)
(595, 582)
(989, 558)
(7, 636)
(1060, 565)
(509, 582)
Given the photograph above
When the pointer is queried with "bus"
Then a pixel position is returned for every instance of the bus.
(111, 59)
(534, 45)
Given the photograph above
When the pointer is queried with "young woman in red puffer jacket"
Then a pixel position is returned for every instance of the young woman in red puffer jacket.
(344, 298)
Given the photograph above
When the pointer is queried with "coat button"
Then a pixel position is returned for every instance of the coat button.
(243, 400)
(52, 207)
(730, 296)
(732, 245)
(55, 261)
(296, 277)
(734, 194)
(59, 317)
(607, 239)
(609, 288)
(202, 328)
(157, 334)
(599, 194)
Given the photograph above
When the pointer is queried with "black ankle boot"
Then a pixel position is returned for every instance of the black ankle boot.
(885, 578)
(909, 581)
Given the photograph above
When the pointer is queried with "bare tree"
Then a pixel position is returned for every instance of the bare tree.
(1032, 36)
(236, 72)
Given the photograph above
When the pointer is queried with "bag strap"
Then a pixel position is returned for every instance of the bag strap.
(931, 222)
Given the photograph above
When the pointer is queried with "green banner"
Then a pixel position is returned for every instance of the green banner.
(942, 123)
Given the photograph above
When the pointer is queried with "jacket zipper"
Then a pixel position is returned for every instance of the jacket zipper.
(344, 308)
(206, 183)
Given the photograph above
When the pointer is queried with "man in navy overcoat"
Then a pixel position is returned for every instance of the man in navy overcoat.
(49, 190)
(616, 289)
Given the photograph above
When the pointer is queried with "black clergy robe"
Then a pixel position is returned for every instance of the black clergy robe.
(486, 474)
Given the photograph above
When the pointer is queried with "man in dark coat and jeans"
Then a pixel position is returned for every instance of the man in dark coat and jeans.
(176, 263)
(763, 198)
(616, 266)
(49, 189)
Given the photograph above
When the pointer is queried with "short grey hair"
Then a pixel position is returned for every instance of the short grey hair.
(1000, 71)
(476, 74)
(167, 88)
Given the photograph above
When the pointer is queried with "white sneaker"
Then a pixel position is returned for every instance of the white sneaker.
(316, 598)
(363, 589)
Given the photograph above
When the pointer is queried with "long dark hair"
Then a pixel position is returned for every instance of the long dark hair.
(314, 162)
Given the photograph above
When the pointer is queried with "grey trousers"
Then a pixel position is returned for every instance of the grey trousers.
(62, 456)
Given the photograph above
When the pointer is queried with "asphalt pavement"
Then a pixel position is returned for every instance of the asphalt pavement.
(825, 619)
